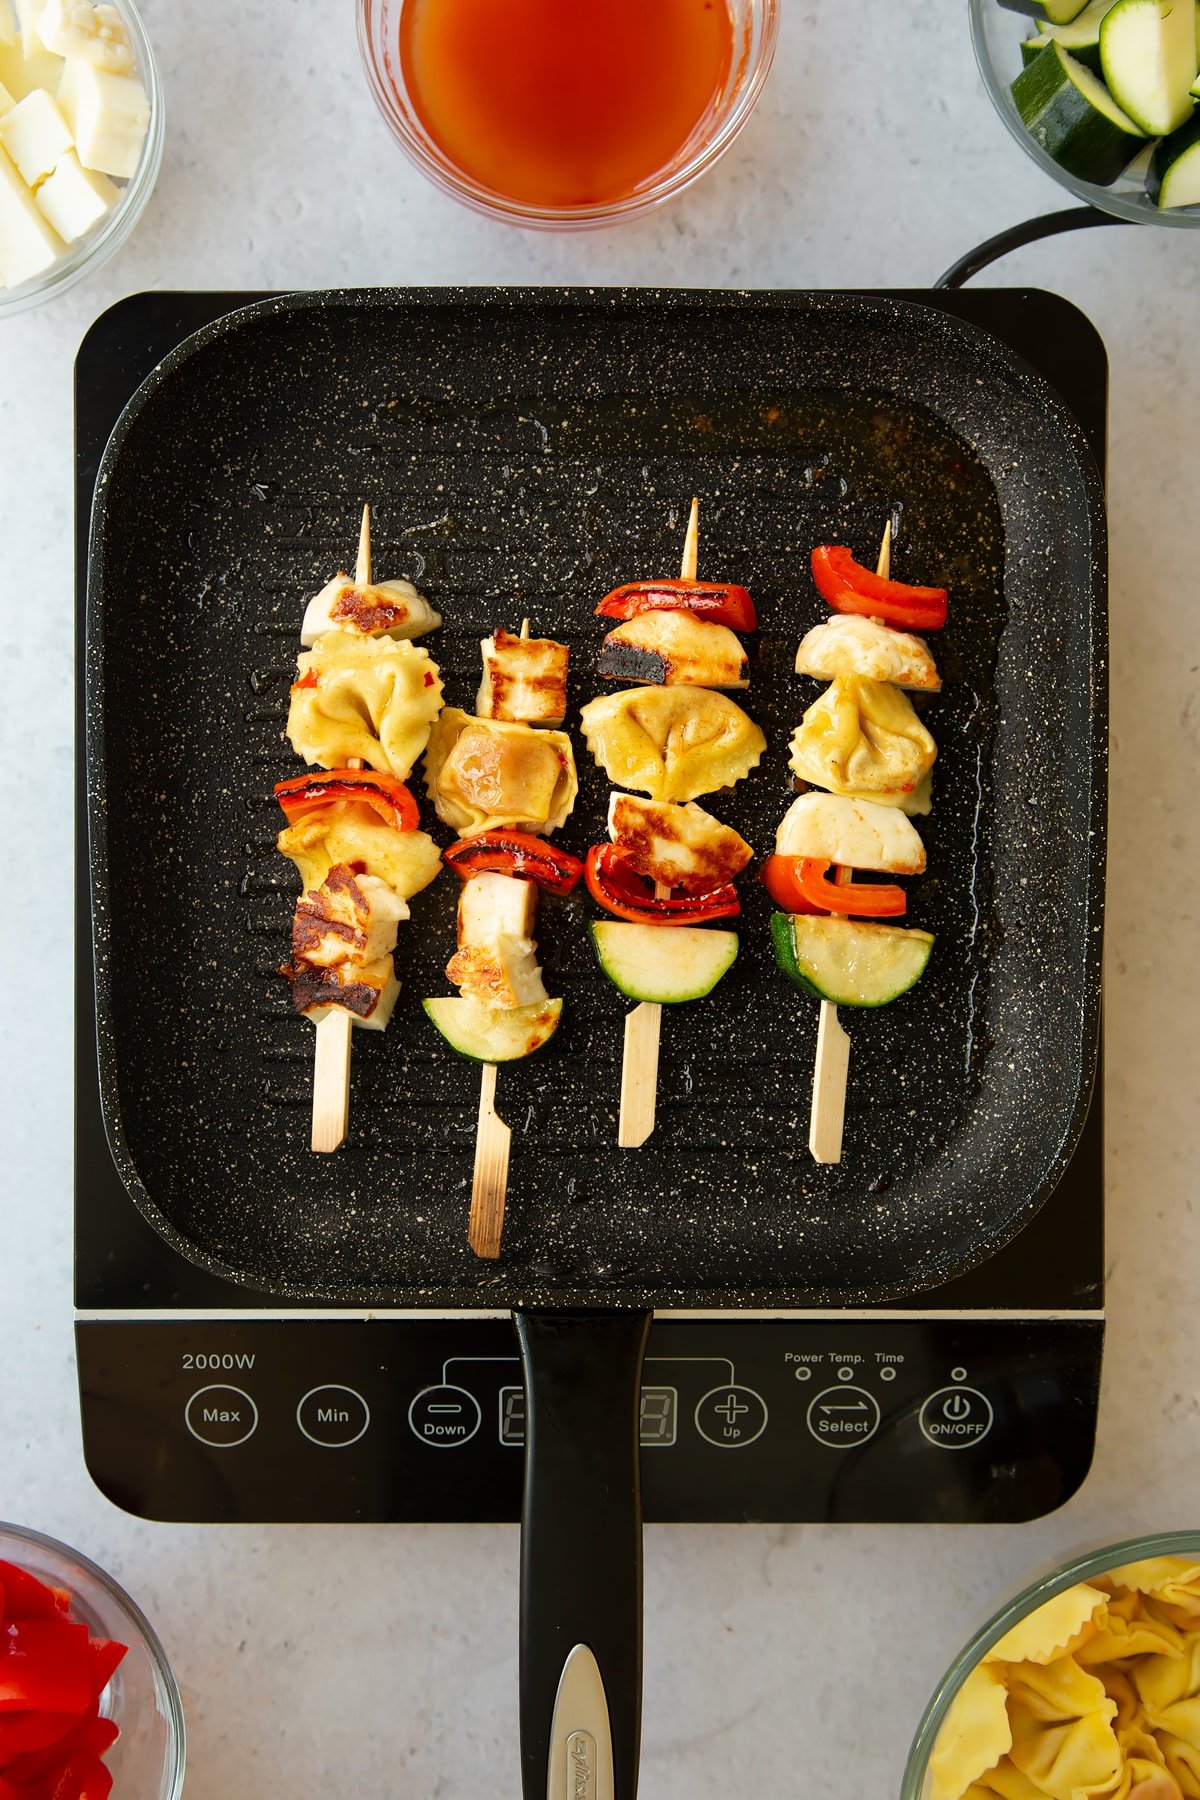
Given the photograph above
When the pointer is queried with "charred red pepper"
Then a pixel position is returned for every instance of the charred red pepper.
(515, 853)
(799, 884)
(389, 797)
(850, 588)
(721, 602)
(620, 890)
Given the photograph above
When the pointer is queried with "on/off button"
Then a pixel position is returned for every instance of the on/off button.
(956, 1417)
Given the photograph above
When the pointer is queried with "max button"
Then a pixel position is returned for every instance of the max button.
(221, 1416)
(333, 1416)
(731, 1417)
(444, 1417)
(956, 1417)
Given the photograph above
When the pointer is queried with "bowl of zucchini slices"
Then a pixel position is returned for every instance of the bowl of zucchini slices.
(1104, 94)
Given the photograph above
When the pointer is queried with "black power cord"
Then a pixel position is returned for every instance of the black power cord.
(1071, 218)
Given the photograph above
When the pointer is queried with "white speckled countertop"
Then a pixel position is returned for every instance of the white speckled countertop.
(782, 1659)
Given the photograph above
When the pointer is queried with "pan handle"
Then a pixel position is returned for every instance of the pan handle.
(581, 1554)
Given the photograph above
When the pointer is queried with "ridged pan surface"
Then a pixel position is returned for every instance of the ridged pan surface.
(523, 453)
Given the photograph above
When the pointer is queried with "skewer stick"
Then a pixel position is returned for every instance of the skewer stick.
(643, 1026)
(493, 1141)
(831, 1067)
(331, 1054)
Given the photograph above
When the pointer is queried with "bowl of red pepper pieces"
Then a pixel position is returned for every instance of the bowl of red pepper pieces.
(88, 1704)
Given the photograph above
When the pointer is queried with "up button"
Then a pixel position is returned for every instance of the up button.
(221, 1416)
(956, 1417)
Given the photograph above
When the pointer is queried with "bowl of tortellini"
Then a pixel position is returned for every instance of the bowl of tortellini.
(1086, 1685)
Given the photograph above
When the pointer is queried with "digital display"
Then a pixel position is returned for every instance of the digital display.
(660, 1411)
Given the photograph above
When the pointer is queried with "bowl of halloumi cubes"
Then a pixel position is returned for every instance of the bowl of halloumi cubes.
(81, 135)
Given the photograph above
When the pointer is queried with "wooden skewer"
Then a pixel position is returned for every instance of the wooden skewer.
(331, 1055)
(831, 1067)
(643, 1026)
(493, 1142)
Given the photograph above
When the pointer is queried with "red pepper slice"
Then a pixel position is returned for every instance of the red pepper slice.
(389, 797)
(309, 679)
(803, 878)
(43, 1666)
(620, 890)
(850, 588)
(103, 1655)
(515, 853)
(23, 1596)
(719, 601)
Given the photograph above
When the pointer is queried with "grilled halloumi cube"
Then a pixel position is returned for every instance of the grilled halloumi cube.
(349, 919)
(524, 679)
(367, 992)
(855, 833)
(385, 609)
(675, 649)
(492, 905)
(496, 962)
(681, 846)
(849, 644)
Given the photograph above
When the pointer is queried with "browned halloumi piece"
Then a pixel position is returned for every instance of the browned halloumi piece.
(675, 649)
(524, 679)
(681, 846)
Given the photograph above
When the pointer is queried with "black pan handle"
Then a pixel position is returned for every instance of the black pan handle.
(581, 1554)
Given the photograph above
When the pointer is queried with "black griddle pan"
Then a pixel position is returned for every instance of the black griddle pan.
(523, 452)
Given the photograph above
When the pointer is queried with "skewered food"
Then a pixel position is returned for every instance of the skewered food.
(524, 678)
(847, 962)
(862, 738)
(382, 609)
(486, 773)
(675, 649)
(496, 962)
(343, 935)
(673, 743)
(350, 831)
(507, 852)
(614, 884)
(492, 1034)
(721, 601)
(849, 644)
(663, 967)
(679, 846)
(849, 588)
(856, 833)
(370, 698)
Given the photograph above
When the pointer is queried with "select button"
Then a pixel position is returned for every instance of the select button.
(333, 1416)
(221, 1416)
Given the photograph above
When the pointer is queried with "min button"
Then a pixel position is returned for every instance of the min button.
(221, 1416)
(333, 1416)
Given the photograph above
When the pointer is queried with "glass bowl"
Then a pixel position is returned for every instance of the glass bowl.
(996, 34)
(755, 27)
(147, 1759)
(99, 244)
(917, 1781)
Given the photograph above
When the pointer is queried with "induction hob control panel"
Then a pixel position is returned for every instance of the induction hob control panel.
(835, 1418)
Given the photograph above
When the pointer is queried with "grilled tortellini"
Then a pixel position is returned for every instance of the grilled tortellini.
(485, 774)
(374, 699)
(673, 743)
(862, 738)
(349, 832)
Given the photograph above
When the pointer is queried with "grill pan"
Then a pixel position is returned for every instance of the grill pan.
(523, 452)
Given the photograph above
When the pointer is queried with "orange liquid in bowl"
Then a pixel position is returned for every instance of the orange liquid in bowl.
(563, 103)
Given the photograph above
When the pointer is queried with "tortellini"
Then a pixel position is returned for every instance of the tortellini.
(350, 832)
(485, 774)
(1100, 1689)
(862, 738)
(673, 743)
(374, 699)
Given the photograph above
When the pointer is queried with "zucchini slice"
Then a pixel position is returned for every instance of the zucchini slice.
(847, 961)
(1148, 57)
(1055, 12)
(1081, 37)
(494, 1033)
(1087, 54)
(1074, 118)
(663, 963)
(1174, 178)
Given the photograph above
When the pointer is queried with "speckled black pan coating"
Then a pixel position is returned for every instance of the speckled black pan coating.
(523, 453)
